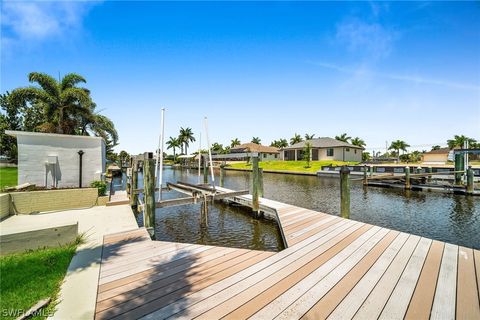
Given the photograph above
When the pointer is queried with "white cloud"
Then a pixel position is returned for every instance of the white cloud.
(37, 20)
(416, 79)
(363, 37)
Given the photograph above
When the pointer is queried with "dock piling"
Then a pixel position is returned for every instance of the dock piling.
(255, 187)
(365, 178)
(222, 176)
(429, 177)
(459, 166)
(345, 192)
(371, 171)
(260, 182)
(134, 184)
(408, 185)
(205, 172)
(149, 195)
(470, 186)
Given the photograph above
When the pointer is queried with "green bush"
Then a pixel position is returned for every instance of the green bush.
(101, 186)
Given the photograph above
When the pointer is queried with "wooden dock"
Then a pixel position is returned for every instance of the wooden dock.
(332, 268)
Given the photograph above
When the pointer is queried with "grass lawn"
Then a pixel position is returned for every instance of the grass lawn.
(8, 177)
(298, 166)
(29, 277)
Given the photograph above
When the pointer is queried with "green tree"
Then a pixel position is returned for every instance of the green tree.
(366, 156)
(186, 136)
(459, 140)
(397, 146)
(296, 139)
(281, 143)
(343, 137)
(62, 100)
(11, 120)
(92, 122)
(309, 136)
(307, 153)
(435, 147)
(235, 142)
(256, 140)
(124, 157)
(173, 143)
(358, 142)
(217, 147)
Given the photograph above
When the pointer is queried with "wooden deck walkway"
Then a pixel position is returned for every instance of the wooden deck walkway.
(332, 268)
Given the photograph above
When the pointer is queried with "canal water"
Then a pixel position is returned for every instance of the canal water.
(445, 217)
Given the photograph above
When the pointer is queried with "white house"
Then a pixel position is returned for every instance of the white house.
(56, 160)
(324, 148)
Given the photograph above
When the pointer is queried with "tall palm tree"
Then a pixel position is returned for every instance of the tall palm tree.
(61, 100)
(309, 136)
(358, 142)
(343, 137)
(397, 146)
(459, 140)
(281, 143)
(235, 142)
(173, 143)
(186, 136)
(256, 140)
(296, 139)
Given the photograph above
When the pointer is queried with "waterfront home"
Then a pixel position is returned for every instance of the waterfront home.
(244, 151)
(439, 156)
(324, 149)
(59, 160)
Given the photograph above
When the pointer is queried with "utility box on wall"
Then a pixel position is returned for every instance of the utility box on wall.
(52, 160)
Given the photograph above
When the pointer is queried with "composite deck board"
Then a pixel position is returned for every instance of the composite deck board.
(331, 268)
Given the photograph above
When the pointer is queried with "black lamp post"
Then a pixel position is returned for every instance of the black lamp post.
(80, 153)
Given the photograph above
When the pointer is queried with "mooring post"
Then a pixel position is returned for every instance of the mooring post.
(365, 177)
(470, 180)
(255, 181)
(260, 182)
(429, 177)
(419, 169)
(371, 171)
(345, 192)
(222, 175)
(407, 178)
(205, 171)
(134, 184)
(459, 166)
(149, 194)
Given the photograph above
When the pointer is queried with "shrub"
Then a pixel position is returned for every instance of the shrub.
(101, 186)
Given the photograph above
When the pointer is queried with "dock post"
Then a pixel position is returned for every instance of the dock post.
(470, 180)
(255, 203)
(459, 166)
(260, 182)
(345, 192)
(419, 170)
(371, 171)
(222, 176)
(429, 178)
(365, 178)
(205, 172)
(407, 178)
(149, 194)
(134, 185)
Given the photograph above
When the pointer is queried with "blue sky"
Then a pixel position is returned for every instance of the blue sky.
(377, 70)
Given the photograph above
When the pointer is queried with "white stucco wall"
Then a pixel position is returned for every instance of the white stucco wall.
(34, 150)
(337, 154)
(269, 156)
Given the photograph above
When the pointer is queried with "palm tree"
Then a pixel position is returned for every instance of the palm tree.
(358, 142)
(217, 147)
(173, 143)
(256, 140)
(186, 136)
(235, 142)
(296, 139)
(397, 146)
(343, 137)
(309, 136)
(437, 147)
(459, 140)
(62, 100)
(95, 123)
(282, 143)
